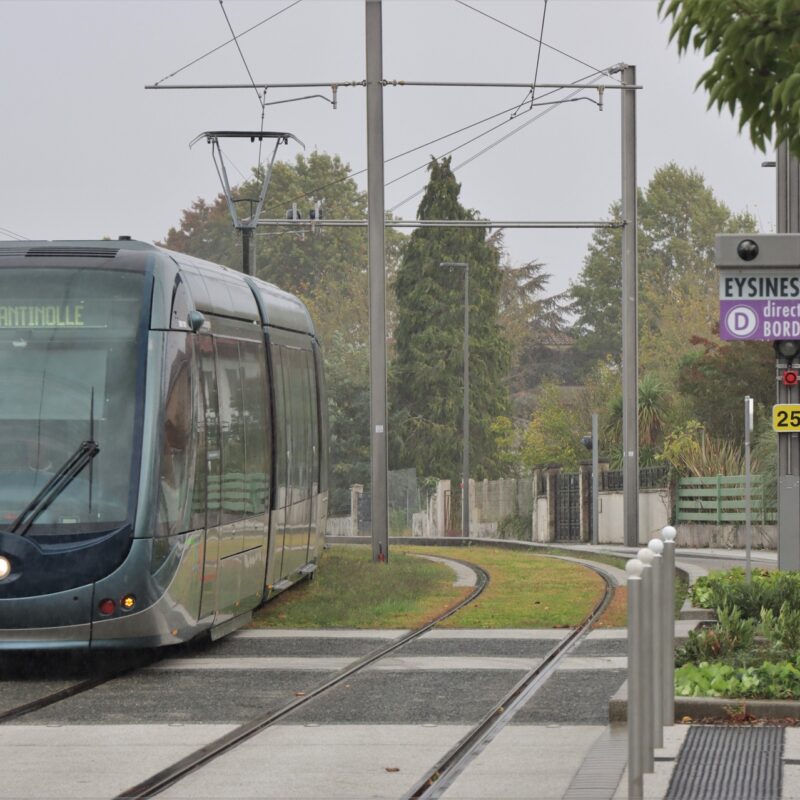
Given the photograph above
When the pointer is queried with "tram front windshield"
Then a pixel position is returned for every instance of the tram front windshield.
(69, 344)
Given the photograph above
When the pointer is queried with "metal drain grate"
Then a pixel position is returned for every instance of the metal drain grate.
(727, 763)
(601, 770)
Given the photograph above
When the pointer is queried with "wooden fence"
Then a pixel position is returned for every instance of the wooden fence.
(719, 500)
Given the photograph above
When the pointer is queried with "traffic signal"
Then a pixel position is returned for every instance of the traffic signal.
(790, 377)
(787, 348)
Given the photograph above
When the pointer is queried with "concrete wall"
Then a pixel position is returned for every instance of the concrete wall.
(540, 532)
(654, 513)
(699, 535)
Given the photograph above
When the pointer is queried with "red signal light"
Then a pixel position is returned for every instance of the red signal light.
(790, 378)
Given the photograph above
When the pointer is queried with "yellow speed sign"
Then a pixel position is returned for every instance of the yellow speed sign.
(786, 417)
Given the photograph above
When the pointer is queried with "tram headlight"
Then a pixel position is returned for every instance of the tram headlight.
(128, 602)
(5, 567)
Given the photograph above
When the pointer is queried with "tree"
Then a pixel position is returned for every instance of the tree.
(534, 325)
(716, 377)
(426, 375)
(756, 61)
(678, 218)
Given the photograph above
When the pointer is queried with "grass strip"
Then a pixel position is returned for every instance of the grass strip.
(526, 589)
(350, 591)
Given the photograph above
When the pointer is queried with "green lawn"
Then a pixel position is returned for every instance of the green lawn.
(526, 591)
(349, 591)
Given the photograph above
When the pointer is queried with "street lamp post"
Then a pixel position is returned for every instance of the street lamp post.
(465, 468)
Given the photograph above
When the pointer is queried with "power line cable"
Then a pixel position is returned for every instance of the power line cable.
(225, 44)
(281, 203)
(11, 235)
(527, 35)
(244, 60)
(570, 98)
(538, 54)
(532, 91)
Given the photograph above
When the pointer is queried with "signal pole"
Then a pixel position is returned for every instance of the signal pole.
(788, 221)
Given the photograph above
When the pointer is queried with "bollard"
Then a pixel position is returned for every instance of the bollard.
(656, 546)
(668, 609)
(646, 557)
(635, 680)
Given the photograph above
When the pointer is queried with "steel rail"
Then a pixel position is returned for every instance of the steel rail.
(172, 774)
(71, 691)
(447, 769)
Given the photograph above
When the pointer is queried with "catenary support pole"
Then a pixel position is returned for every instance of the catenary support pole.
(379, 464)
(465, 470)
(788, 221)
(668, 631)
(630, 359)
(635, 679)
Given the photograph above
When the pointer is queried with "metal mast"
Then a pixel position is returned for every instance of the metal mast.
(379, 464)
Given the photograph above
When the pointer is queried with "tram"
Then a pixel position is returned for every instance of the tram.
(163, 445)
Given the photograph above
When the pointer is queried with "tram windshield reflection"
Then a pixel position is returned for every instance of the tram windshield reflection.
(69, 353)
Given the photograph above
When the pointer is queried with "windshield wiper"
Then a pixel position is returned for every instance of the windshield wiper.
(70, 470)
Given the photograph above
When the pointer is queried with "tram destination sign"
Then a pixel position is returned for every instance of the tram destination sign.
(759, 286)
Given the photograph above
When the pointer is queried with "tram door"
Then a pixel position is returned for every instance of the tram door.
(296, 452)
(238, 442)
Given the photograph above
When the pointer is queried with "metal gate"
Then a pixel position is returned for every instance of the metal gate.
(568, 508)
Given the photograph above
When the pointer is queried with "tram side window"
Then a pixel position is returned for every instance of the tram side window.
(213, 444)
(231, 416)
(313, 419)
(256, 426)
(299, 428)
(281, 410)
(177, 449)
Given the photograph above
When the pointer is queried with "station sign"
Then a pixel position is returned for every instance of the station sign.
(759, 286)
(786, 417)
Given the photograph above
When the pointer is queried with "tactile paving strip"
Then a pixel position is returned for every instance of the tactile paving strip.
(735, 763)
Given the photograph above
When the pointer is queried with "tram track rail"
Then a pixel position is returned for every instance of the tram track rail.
(449, 767)
(172, 774)
(79, 687)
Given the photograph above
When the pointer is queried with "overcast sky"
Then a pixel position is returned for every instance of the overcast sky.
(88, 152)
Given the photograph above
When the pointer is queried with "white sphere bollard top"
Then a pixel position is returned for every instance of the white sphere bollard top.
(656, 546)
(668, 533)
(645, 555)
(634, 568)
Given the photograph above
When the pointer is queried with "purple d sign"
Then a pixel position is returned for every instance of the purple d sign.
(741, 321)
(759, 320)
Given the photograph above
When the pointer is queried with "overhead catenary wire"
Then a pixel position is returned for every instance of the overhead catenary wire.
(11, 235)
(225, 44)
(569, 98)
(527, 35)
(241, 54)
(539, 53)
(356, 173)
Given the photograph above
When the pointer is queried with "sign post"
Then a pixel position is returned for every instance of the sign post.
(759, 300)
(748, 511)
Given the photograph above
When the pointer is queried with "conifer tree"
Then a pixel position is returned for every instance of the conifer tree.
(427, 372)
